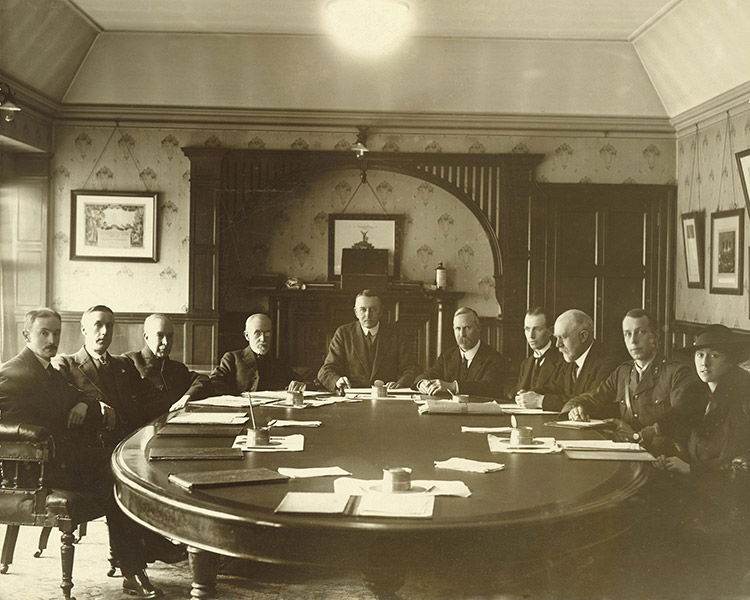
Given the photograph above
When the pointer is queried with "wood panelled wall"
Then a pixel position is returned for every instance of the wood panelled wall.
(495, 187)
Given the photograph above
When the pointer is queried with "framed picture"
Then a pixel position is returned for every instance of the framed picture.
(364, 232)
(727, 251)
(743, 163)
(694, 238)
(113, 226)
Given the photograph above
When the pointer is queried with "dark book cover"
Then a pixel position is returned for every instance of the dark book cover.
(194, 453)
(202, 479)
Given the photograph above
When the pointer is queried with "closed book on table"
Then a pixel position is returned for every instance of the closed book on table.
(202, 479)
(194, 453)
(178, 430)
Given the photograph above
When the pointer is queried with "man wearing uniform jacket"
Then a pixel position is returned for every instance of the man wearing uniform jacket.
(649, 394)
(176, 383)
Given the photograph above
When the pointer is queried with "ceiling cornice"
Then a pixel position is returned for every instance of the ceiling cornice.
(336, 120)
(734, 100)
(30, 99)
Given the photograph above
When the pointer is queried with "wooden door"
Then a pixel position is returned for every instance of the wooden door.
(604, 249)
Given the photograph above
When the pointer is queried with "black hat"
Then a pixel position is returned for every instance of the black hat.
(719, 337)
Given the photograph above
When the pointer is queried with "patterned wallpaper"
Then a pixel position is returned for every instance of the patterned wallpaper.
(709, 181)
(438, 226)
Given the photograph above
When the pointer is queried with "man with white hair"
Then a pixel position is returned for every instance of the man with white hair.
(172, 378)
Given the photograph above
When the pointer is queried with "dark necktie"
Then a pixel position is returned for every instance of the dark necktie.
(535, 371)
(464, 368)
(106, 378)
(574, 371)
(370, 346)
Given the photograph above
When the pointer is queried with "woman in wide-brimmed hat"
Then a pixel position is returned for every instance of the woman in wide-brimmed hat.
(722, 433)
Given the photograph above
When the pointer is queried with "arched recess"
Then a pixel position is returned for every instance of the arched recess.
(494, 187)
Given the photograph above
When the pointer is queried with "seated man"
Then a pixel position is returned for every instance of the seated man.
(648, 393)
(540, 369)
(367, 350)
(176, 383)
(471, 367)
(253, 368)
(128, 401)
(587, 363)
(33, 392)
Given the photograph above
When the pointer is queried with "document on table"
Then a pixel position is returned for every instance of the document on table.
(209, 418)
(468, 465)
(604, 445)
(542, 445)
(280, 443)
(368, 391)
(468, 429)
(608, 455)
(456, 407)
(292, 423)
(592, 424)
(512, 408)
(226, 401)
(415, 506)
(313, 472)
(434, 487)
(313, 502)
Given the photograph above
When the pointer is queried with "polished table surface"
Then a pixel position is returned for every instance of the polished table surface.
(538, 498)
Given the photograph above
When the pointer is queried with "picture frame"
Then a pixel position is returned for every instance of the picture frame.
(694, 240)
(743, 164)
(366, 231)
(727, 251)
(118, 226)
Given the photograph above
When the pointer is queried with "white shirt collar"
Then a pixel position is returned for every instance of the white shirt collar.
(582, 359)
(471, 352)
(98, 357)
(542, 351)
(642, 370)
(372, 330)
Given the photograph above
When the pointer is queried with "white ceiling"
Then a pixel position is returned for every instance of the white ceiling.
(545, 19)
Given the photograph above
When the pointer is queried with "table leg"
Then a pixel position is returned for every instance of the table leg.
(205, 567)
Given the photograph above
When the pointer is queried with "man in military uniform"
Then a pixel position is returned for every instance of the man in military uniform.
(652, 396)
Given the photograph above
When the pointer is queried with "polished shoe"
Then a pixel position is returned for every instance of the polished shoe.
(140, 586)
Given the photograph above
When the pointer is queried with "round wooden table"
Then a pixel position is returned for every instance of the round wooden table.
(538, 507)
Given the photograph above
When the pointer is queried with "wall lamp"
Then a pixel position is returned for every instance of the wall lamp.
(8, 105)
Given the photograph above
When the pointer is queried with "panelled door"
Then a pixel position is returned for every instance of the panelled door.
(607, 249)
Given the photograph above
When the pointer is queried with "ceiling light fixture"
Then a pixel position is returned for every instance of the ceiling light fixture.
(368, 27)
(8, 104)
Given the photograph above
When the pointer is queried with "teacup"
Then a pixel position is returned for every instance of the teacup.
(521, 436)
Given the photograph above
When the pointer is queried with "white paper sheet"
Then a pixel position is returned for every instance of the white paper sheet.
(580, 424)
(433, 487)
(606, 445)
(212, 418)
(281, 443)
(313, 502)
(513, 409)
(292, 423)
(468, 429)
(604, 455)
(312, 472)
(470, 466)
(396, 505)
(542, 445)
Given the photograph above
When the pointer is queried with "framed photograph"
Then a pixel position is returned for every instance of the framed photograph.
(364, 232)
(694, 238)
(727, 251)
(113, 226)
(743, 163)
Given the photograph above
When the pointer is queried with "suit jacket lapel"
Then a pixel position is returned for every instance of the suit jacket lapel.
(358, 345)
(380, 348)
(86, 366)
(252, 369)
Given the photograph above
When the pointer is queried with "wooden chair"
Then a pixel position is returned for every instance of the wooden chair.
(27, 499)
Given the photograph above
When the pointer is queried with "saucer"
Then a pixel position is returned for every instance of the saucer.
(415, 489)
(268, 445)
(534, 443)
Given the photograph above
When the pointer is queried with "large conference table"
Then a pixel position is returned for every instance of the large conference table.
(539, 507)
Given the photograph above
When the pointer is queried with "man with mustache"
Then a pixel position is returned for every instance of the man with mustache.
(368, 350)
(176, 383)
(470, 367)
(253, 368)
(34, 393)
(651, 396)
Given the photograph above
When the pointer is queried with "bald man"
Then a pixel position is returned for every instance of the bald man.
(252, 368)
(587, 363)
(176, 383)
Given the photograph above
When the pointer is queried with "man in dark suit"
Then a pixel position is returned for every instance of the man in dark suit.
(176, 383)
(33, 392)
(652, 396)
(471, 367)
(539, 370)
(368, 350)
(253, 368)
(128, 401)
(587, 363)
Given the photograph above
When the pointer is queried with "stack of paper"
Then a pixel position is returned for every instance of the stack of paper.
(604, 450)
(432, 487)
(468, 465)
(212, 418)
(512, 408)
(226, 401)
(543, 445)
(468, 429)
(280, 443)
(313, 502)
(599, 445)
(291, 423)
(415, 506)
(312, 472)
(456, 407)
